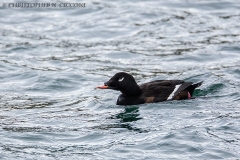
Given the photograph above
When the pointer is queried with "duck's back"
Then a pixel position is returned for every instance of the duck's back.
(162, 90)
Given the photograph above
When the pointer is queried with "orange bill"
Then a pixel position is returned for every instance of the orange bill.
(102, 87)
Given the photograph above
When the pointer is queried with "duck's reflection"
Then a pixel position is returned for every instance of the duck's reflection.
(130, 114)
(125, 120)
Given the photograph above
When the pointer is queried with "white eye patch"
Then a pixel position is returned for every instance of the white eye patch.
(121, 79)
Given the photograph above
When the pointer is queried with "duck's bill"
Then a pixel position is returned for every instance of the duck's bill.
(102, 87)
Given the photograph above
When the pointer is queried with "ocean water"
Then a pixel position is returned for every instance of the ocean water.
(51, 60)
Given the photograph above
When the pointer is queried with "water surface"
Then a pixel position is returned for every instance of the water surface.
(51, 60)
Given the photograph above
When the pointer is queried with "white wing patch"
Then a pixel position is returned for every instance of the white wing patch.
(172, 94)
(120, 80)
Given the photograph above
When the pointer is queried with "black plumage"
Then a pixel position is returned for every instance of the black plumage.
(151, 92)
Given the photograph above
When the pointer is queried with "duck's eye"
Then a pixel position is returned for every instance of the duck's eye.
(120, 79)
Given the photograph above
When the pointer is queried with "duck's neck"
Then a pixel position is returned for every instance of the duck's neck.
(131, 90)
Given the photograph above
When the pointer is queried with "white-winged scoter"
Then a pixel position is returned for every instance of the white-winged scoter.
(151, 92)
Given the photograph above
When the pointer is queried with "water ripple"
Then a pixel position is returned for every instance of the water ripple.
(52, 59)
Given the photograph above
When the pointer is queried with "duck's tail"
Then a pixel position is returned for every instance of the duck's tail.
(191, 88)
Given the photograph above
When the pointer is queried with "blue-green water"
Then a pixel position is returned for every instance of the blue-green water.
(51, 60)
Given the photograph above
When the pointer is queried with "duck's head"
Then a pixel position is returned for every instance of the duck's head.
(123, 82)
